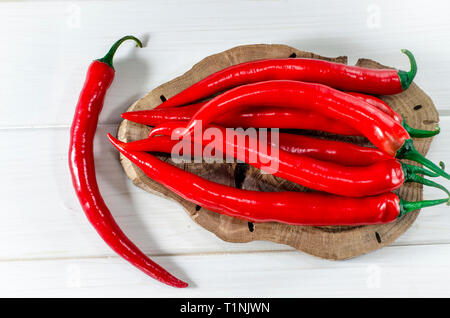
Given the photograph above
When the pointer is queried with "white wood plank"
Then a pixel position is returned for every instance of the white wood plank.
(42, 218)
(48, 45)
(416, 271)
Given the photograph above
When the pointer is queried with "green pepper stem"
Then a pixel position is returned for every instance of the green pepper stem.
(406, 78)
(108, 58)
(407, 168)
(407, 151)
(422, 180)
(409, 206)
(419, 133)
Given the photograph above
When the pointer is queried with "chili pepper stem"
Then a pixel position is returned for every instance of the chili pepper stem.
(407, 151)
(108, 58)
(419, 170)
(419, 133)
(411, 176)
(406, 78)
(419, 179)
(409, 206)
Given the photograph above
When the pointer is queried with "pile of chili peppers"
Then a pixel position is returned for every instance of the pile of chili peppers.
(352, 184)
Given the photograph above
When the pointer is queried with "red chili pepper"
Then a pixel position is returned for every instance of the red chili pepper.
(326, 150)
(297, 208)
(379, 177)
(339, 152)
(262, 117)
(81, 162)
(381, 105)
(383, 131)
(344, 77)
(269, 117)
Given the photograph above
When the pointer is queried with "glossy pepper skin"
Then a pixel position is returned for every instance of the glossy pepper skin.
(342, 153)
(269, 117)
(383, 106)
(383, 131)
(81, 162)
(259, 117)
(296, 208)
(339, 152)
(378, 103)
(346, 154)
(340, 76)
(379, 177)
(313, 149)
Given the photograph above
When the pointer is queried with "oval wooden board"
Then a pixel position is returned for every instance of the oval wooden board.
(338, 242)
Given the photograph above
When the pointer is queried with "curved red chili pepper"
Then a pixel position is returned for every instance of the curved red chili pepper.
(269, 117)
(380, 104)
(335, 151)
(345, 77)
(81, 162)
(262, 117)
(297, 208)
(383, 131)
(377, 126)
(339, 152)
(379, 177)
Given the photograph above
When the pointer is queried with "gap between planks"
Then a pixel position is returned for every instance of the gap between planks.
(114, 256)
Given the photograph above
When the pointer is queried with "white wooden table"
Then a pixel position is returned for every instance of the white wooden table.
(48, 248)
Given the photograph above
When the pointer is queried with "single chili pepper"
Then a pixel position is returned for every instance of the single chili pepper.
(383, 131)
(269, 117)
(165, 145)
(379, 177)
(339, 152)
(81, 162)
(320, 149)
(344, 77)
(383, 106)
(262, 117)
(296, 208)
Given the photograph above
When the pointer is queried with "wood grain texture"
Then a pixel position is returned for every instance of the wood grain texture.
(413, 271)
(327, 242)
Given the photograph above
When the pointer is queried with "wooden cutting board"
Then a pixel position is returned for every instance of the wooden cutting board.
(331, 242)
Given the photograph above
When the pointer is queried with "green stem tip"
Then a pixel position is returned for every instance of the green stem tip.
(407, 151)
(419, 133)
(422, 180)
(406, 78)
(108, 58)
(409, 206)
